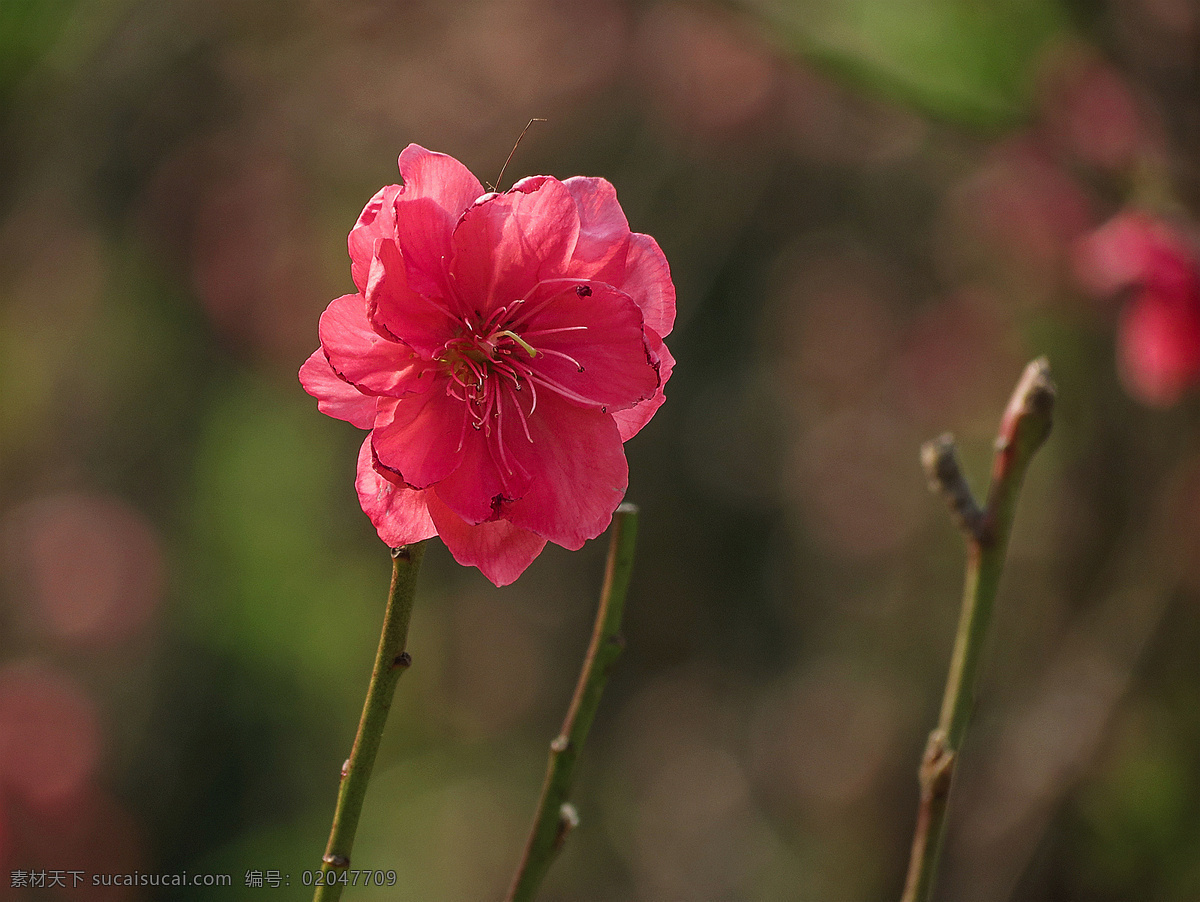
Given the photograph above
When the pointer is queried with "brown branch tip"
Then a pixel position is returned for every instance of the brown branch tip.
(939, 458)
(1031, 407)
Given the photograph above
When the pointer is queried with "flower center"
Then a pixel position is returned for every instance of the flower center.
(482, 360)
(489, 358)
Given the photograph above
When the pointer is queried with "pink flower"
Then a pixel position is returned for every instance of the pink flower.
(501, 348)
(1158, 337)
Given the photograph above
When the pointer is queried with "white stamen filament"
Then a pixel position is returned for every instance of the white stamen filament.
(578, 365)
(539, 332)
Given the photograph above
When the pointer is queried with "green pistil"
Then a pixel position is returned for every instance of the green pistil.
(532, 351)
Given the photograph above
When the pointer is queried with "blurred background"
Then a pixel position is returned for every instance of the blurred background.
(870, 209)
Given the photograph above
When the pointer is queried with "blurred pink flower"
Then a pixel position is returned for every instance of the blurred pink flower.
(1090, 110)
(1159, 333)
(500, 348)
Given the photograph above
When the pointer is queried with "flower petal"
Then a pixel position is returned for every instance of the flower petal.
(608, 252)
(411, 317)
(507, 243)
(1128, 249)
(490, 471)
(422, 436)
(499, 549)
(648, 281)
(335, 396)
(377, 220)
(363, 357)
(589, 343)
(580, 473)
(399, 513)
(631, 420)
(438, 177)
(603, 228)
(1159, 346)
(437, 190)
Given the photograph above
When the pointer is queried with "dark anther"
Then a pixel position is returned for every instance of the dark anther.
(404, 659)
(583, 291)
(401, 553)
(616, 639)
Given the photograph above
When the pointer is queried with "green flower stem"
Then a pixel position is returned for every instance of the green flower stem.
(1024, 427)
(391, 660)
(555, 816)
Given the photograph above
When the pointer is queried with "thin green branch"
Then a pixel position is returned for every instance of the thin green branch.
(391, 660)
(556, 817)
(1024, 427)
